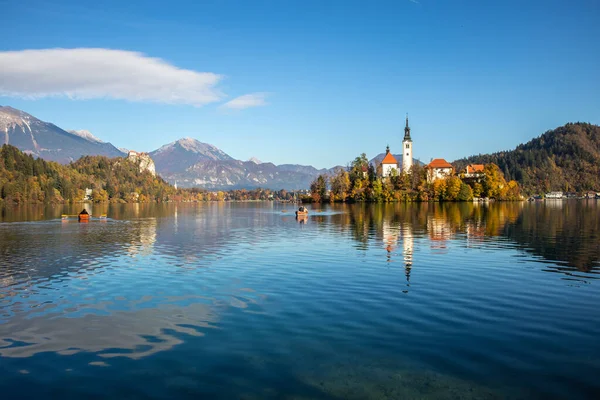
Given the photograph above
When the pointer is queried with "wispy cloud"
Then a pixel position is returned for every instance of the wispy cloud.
(89, 73)
(414, 1)
(247, 101)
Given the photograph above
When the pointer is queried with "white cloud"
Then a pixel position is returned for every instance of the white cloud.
(88, 73)
(247, 101)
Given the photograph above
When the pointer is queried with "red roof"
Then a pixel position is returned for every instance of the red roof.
(439, 163)
(473, 168)
(389, 159)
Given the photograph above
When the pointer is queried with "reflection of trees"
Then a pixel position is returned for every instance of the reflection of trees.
(52, 248)
(569, 233)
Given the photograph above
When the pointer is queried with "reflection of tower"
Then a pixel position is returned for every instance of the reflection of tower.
(407, 249)
(176, 225)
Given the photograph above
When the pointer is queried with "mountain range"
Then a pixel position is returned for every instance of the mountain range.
(48, 141)
(566, 158)
(191, 163)
(187, 161)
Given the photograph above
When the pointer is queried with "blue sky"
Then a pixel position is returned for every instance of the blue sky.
(323, 80)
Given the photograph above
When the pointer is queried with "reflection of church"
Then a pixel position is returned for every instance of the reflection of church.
(407, 249)
(440, 231)
(391, 237)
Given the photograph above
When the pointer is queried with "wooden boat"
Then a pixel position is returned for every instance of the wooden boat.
(83, 216)
(302, 212)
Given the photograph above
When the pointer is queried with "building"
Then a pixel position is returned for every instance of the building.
(474, 171)
(554, 195)
(407, 149)
(438, 168)
(389, 164)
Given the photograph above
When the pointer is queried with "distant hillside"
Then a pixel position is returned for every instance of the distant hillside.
(24, 179)
(45, 140)
(564, 159)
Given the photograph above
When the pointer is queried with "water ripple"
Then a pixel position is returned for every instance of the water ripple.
(244, 301)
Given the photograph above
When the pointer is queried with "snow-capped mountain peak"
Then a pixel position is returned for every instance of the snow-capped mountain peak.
(85, 135)
(255, 160)
(191, 145)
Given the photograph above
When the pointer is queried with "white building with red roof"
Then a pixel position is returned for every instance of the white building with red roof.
(389, 164)
(438, 168)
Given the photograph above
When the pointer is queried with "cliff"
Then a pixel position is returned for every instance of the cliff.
(143, 160)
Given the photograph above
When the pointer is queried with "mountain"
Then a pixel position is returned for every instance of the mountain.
(564, 159)
(255, 160)
(178, 156)
(192, 163)
(45, 140)
(86, 135)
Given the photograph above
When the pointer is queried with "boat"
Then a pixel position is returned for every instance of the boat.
(83, 216)
(302, 212)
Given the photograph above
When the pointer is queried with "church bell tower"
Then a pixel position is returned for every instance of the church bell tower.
(407, 149)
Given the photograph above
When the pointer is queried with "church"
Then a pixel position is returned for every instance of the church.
(389, 164)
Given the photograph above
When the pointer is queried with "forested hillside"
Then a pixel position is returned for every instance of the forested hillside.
(565, 159)
(24, 179)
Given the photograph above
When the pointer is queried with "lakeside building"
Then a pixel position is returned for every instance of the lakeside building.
(474, 171)
(389, 164)
(554, 195)
(438, 168)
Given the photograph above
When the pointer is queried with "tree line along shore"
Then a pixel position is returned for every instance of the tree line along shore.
(362, 181)
(27, 180)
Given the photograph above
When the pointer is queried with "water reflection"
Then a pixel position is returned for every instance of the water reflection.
(565, 232)
(568, 235)
(245, 293)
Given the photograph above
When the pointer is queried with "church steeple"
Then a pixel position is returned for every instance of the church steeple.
(407, 153)
(407, 131)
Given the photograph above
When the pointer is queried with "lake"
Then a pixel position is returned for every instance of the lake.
(241, 300)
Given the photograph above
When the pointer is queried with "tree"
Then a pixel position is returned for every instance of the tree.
(453, 185)
(377, 193)
(465, 193)
(439, 189)
(340, 185)
(318, 188)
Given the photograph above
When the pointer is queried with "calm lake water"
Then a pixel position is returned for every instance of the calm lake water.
(241, 300)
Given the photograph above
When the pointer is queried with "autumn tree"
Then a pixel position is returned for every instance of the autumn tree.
(318, 188)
